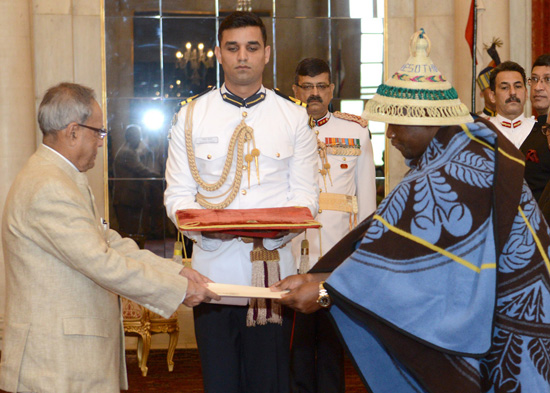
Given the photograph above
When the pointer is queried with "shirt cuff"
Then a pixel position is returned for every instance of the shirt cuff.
(273, 244)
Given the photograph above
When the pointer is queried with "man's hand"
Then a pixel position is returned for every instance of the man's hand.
(294, 281)
(198, 293)
(193, 275)
(303, 299)
(291, 282)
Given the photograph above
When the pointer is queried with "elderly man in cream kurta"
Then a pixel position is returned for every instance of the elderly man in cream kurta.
(65, 268)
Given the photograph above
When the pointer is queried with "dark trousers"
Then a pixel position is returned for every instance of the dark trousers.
(240, 359)
(317, 356)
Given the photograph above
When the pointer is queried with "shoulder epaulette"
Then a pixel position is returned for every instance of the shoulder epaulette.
(187, 101)
(354, 118)
(294, 100)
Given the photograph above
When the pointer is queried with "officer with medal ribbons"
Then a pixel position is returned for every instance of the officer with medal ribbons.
(240, 147)
(347, 188)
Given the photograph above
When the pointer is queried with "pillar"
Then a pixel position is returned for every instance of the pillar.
(17, 112)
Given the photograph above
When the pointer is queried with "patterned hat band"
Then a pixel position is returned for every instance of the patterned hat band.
(483, 80)
(415, 112)
(417, 94)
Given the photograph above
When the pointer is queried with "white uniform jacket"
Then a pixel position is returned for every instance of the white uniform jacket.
(64, 268)
(287, 170)
(515, 130)
(351, 175)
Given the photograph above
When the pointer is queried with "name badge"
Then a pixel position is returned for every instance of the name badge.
(211, 139)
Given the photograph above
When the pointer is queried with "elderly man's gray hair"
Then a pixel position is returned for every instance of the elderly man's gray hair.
(63, 104)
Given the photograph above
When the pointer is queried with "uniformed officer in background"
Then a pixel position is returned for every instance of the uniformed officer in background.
(346, 182)
(242, 349)
(509, 92)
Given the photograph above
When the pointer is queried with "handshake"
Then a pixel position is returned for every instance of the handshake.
(299, 292)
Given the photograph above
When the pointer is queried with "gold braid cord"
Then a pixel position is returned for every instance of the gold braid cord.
(325, 165)
(354, 118)
(243, 133)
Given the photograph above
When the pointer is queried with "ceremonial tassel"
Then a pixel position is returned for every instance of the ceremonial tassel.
(274, 310)
(265, 272)
(304, 257)
(178, 248)
(187, 260)
(257, 313)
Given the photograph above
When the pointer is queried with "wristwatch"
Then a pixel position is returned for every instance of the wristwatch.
(324, 299)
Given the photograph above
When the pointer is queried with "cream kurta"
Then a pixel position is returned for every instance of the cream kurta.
(63, 324)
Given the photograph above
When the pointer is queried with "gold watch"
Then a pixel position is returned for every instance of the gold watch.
(324, 299)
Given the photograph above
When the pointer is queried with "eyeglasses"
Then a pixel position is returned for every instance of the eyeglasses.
(535, 79)
(545, 129)
(101, 131)
(309, 86)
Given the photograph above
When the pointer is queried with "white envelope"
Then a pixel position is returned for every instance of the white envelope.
(239, 295)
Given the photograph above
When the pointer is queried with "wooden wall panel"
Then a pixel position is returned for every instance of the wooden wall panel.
(540, 38)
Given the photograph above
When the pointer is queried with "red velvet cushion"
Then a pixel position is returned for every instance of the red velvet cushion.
(266, 222)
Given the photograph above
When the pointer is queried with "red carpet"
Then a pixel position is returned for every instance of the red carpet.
(186, 377)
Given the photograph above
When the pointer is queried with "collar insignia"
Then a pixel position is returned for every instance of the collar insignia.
(239, 102)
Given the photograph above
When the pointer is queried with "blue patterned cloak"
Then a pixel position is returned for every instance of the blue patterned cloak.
(448, 289)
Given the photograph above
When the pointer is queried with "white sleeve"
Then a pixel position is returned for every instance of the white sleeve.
(365, 178)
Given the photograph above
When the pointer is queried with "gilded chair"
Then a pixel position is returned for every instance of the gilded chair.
(136, 323)
(170, 326)
(139, 321)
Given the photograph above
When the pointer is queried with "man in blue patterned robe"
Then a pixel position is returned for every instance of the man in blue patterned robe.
(446, 289)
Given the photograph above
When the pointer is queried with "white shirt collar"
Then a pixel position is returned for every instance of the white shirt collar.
(62, 156)
(224, 89)
(502, 119)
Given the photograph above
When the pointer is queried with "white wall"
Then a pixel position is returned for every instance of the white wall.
(445, 22)
(44, 42)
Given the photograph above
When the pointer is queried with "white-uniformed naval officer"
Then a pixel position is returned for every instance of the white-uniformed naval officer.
(345, 170)
(281, 172)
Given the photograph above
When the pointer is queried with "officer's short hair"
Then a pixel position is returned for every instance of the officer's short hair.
(506, 66)
(64, 103)
(311, 66)
(241, 19)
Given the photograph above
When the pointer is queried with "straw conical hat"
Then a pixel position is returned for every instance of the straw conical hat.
(417, 94)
